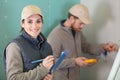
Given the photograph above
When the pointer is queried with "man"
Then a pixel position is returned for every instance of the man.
(68, 35)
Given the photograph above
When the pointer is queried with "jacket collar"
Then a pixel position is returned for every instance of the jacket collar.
(65, 28)
(38, 41)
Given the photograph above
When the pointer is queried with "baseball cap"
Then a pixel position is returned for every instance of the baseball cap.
(30, 10)
(81, 11)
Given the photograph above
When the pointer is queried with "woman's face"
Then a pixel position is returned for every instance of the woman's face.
(33, 25)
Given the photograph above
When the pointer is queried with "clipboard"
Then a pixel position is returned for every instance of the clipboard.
(60, 59)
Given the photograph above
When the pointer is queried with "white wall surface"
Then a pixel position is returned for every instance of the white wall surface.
(115, 71)
(105, 27)
(106, 20)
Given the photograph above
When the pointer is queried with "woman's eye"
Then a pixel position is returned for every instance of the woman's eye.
(39, 21)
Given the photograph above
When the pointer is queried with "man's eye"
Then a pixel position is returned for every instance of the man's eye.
(29, 21)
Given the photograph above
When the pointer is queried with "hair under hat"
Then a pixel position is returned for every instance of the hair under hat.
(30, 10)
(81, 11)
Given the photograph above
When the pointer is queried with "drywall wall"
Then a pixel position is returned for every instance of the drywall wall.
(105, 27)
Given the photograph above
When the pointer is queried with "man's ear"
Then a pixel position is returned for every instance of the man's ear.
(72, 19)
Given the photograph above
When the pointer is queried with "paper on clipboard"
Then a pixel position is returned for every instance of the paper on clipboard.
(115, 68)
(60, 59)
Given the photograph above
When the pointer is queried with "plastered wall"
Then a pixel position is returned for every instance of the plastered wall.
(105, 27)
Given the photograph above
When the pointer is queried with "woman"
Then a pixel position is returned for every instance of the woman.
(29, 46)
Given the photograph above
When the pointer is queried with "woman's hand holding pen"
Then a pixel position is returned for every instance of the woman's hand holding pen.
(48, 62)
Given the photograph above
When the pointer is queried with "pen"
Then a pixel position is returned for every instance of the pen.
(40, 60)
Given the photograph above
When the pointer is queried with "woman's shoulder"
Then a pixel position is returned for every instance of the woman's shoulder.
(12, 45)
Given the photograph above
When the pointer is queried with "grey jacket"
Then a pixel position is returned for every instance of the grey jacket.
(61, 38)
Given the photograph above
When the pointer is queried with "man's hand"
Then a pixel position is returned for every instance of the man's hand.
(110, 47)
(80, 61)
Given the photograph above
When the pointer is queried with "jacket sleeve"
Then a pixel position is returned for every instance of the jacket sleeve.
(14, 66)
(89, 48)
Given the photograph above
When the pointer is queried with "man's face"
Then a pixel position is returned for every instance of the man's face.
(77, 25)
